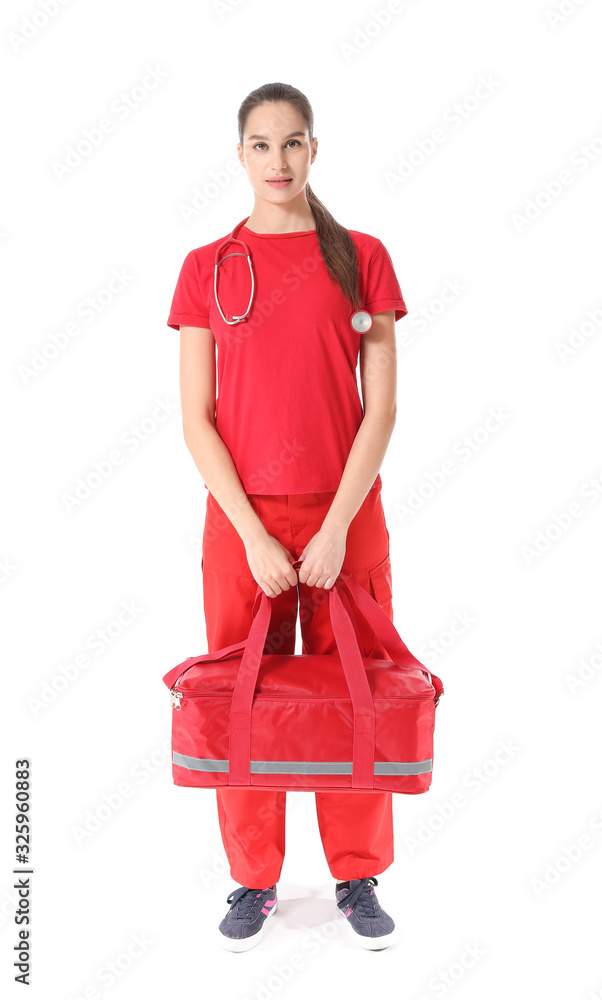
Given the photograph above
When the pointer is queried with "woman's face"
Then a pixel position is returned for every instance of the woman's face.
(276, 144)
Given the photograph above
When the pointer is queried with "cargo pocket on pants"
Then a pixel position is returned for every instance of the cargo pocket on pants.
(381, 589)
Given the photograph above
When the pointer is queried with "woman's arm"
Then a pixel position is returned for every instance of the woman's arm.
(210, 454)
(270, 562)
(378, 375)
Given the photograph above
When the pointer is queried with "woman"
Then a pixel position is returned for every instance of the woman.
(291, 462)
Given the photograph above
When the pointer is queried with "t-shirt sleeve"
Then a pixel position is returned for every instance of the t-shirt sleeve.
(382, 287)
(188, 307)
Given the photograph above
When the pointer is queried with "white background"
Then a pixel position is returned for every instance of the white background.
(510, 540)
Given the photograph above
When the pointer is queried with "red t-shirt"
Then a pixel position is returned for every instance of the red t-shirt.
(288, 406)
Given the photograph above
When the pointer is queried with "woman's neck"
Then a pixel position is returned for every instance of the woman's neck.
(279, 220)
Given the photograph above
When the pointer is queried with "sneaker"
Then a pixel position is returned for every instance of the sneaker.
(242, 927)
(373, 928)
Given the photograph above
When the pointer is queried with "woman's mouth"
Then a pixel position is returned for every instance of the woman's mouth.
(280, 183)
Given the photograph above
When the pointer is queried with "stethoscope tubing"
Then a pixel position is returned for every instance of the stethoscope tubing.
(360, 320)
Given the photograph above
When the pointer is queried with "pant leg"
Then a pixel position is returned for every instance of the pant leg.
(252, 822)
(357, 832)
(356, 827)
(252, 825)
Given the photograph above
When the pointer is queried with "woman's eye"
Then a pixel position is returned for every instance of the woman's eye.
(258, 144)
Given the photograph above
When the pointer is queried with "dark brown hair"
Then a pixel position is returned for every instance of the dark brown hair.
(336, 245)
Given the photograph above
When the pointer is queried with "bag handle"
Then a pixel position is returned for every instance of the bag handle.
(379, 621)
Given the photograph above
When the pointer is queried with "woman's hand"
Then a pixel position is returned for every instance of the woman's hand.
(271, 565)
(323, 557)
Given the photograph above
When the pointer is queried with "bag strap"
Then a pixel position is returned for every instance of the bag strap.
(172, 675)
(364, 726)
(379, 621)
(384, 629)
(353, 619)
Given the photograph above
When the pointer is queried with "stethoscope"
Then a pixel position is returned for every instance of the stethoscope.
(360, 320)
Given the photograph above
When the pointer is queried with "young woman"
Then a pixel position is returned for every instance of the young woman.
(291, 461)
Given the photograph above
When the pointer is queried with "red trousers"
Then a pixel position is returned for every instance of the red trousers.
(356, 828)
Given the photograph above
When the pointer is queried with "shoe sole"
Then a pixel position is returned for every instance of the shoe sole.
(371, 943)
(245, 944)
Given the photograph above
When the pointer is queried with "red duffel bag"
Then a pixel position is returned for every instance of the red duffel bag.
(315, 722)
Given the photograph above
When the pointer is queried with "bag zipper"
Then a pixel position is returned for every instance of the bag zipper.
(175, 695)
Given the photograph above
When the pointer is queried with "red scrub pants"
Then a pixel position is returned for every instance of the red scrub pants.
(356, 828)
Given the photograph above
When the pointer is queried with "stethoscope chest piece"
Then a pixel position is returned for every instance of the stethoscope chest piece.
(361, 321)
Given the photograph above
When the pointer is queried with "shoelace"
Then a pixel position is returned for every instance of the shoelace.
(246, 904)
(363, 896)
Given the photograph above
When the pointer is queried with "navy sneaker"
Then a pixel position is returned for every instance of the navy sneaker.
(242, 927)
(372, 926)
